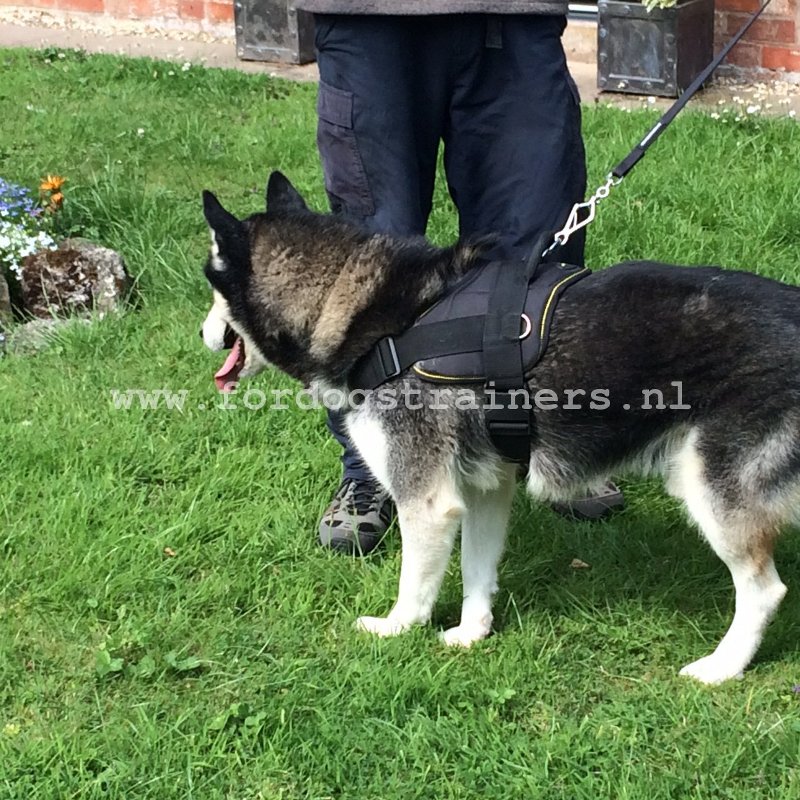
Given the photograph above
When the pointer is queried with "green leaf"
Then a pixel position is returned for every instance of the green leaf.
(146, 667)
(183, 664)
(104, 664)
(220, 721)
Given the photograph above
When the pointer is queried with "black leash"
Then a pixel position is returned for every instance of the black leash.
(633, 158)
(616, 175)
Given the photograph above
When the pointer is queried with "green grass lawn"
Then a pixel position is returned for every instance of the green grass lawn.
(227, 665)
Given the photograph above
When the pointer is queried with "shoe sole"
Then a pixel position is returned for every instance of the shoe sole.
(592, 508)
(348, 547)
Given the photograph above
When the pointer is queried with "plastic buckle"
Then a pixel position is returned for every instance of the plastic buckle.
(388, 355)
(499, 427)
(509, 424)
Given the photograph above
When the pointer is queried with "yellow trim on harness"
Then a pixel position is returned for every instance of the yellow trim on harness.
(549, 302)
(470, 379)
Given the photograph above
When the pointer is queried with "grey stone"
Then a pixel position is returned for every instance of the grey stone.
(30, 338)
(77, 277)
(33, 336)
(5, 304)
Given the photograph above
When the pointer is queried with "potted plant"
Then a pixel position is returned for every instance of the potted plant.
(656, 47)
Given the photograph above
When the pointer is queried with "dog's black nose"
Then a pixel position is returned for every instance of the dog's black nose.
(201, 333)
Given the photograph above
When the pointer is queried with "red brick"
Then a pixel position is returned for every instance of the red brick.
(781, 58)
(745, 55)
(777, 8)
(89, 6)
(219, 11)
(769, 31)
(737, 5)
(191, 9)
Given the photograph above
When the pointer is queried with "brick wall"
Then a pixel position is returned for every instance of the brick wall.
(774, 40)
(192, 15)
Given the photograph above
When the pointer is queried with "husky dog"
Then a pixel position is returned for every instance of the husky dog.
(312, 293)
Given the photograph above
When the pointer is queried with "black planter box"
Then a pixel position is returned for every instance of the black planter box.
(656, 52)
(273, 30)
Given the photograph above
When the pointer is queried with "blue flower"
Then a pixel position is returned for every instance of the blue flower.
(17, 202)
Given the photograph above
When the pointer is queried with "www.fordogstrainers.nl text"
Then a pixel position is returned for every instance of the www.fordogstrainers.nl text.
(387, 398)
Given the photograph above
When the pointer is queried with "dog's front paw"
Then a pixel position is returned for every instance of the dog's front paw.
(381, 626)
(712, 670)
(463, 635)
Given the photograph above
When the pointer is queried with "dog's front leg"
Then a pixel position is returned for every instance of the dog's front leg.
(483, 536)
(428, 527)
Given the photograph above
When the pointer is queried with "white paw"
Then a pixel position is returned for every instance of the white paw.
(381, 626)
(463, 636)
(712, 670)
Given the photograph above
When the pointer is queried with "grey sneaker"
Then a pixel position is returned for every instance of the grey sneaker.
(357, 518)
(598, 506)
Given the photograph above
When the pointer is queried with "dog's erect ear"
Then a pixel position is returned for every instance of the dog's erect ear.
(218, 219)
(228, 234)
(282, 196)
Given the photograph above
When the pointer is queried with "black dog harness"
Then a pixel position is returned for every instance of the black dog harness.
(492, 328)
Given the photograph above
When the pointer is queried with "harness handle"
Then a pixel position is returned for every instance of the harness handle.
(545, 243)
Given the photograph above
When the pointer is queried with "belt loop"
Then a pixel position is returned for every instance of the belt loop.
(494, 33)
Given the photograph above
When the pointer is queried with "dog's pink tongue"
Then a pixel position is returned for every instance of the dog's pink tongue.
(228, 374)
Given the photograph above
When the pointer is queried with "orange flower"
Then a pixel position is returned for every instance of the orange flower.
(56, 200)
(52, 183)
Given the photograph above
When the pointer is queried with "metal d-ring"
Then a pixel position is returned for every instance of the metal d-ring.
(528, 326)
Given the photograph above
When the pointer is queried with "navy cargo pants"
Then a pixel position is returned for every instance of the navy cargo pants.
(494, 89)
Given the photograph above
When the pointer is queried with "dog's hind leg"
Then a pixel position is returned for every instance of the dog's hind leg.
(759, 591)
(483, 536)
(744, 540)
(428, 526)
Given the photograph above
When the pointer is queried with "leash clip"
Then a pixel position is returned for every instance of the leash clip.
(574, 221)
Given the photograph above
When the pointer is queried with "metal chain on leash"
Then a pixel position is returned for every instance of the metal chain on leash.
(574, 222)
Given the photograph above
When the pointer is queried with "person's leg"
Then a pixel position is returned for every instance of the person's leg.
(381, 110)
(514, 155)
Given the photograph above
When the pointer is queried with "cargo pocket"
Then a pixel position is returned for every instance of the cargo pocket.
(345, 178)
